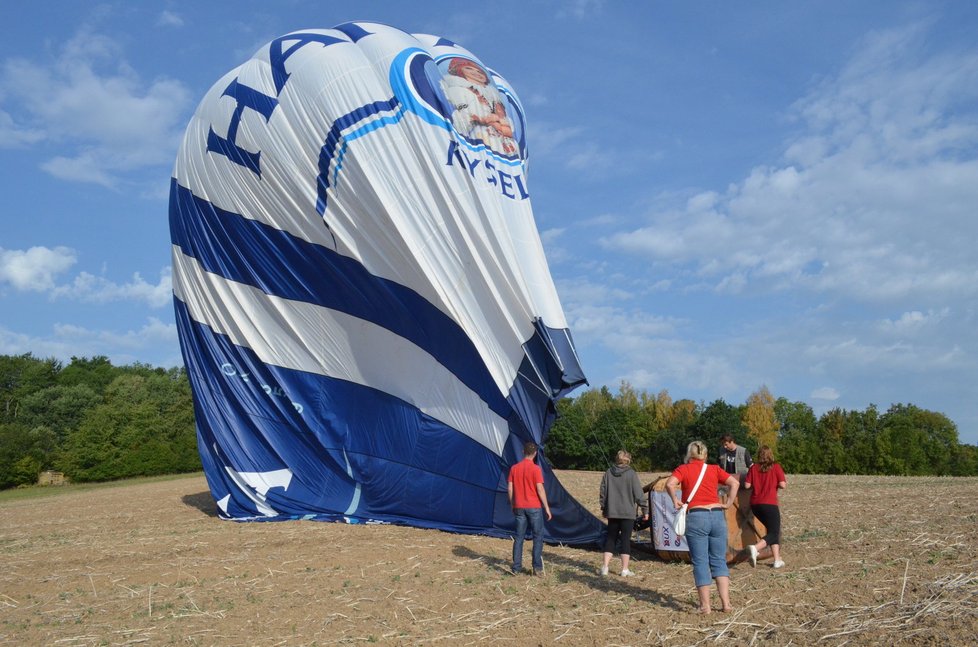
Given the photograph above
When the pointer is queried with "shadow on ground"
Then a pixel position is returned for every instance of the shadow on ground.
(203, 501)
(582, 571)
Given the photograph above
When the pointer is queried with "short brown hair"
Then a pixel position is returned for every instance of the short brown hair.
(529, 448)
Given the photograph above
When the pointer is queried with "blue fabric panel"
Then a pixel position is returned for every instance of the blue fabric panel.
(553, 354)
(529, 400)
(282, 265)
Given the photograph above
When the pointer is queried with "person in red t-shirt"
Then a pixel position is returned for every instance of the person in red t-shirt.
(529, 502)
(764, 479)
(706, 523)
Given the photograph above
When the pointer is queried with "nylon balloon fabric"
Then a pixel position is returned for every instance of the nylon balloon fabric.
(364, 307)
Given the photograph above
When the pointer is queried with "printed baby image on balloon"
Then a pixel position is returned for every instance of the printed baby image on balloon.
(479, 109)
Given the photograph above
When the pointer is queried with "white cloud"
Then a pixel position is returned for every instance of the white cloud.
(583, 9)
(549, 236)
(590, 157)
(913, 322)
(123, 347)
(153, 332)
(96, 289)
(13, 135)
(546, 139)
(825, 393)
(79, 169)
(169, 19)
(91, 99)
(34, 269)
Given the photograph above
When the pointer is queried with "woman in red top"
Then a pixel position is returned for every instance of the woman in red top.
(706, 523)
(764, 479)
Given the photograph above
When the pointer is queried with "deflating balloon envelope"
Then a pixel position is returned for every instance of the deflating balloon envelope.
(364, 307)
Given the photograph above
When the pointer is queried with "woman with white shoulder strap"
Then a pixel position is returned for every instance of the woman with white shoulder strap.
(706, 523)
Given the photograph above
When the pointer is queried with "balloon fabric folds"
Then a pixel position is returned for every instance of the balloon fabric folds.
(363, 304)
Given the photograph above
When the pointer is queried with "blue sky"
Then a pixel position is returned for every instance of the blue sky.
(730, 194)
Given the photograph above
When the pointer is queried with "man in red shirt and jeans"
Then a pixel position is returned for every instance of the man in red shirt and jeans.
(529, 502)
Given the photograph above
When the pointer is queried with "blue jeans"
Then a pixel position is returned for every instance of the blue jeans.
(535, 518)
(706, 536)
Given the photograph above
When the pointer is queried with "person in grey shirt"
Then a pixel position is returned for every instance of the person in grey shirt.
(621, 495)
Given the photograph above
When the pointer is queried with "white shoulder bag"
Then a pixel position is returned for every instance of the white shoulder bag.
(679, 523)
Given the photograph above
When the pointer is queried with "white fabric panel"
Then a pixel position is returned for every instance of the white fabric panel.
(357, 350)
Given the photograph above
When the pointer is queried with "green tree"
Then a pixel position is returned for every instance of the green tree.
(798, 450)
(863, 445)
(669, 446)
(15, 444)
(830, 432)
(143, 427)
(60, 408)
(567, 443)
(964, 460)
(20, 376)
(920, 441)
(95, 373)
(717, 420)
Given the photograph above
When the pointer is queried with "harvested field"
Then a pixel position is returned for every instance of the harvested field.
(870, 561)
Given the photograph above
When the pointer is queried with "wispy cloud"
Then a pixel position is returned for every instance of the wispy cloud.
(877, 197)
(66, 341)
(582, 9)
(825, 393)
(14, 135)
(96, 289)
(169, 19)
(105, 120)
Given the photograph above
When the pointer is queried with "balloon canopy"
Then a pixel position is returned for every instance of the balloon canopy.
(365, 311)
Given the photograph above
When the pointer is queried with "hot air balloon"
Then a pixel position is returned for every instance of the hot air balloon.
(364, 307)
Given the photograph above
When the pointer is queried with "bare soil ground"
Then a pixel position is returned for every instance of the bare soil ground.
(870, 561)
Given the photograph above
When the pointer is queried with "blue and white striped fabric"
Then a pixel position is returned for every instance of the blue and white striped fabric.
(366, 314)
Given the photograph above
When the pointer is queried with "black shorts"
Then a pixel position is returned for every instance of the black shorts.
(770, 516)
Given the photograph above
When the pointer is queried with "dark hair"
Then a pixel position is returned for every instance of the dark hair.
(765, 458)
(726, 438)
(529, 448)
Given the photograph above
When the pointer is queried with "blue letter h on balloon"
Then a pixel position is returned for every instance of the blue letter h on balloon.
(246, 98)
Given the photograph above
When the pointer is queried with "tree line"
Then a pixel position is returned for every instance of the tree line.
(904, 440)
(97, 422)
(92, 420)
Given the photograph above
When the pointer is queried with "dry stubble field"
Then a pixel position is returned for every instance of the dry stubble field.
(869, 561)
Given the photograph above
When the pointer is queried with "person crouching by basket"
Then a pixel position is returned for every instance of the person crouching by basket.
(706, 523)
(620, 493)
(764, 479)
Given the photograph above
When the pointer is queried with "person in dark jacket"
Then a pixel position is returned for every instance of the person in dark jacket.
(621, 493)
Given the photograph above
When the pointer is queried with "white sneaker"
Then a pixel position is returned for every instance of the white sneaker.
(627, 573)
(753, 554)
(778, 564)
(604, 570)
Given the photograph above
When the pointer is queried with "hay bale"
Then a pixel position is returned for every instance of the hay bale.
(49, 477)
(742, 528)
